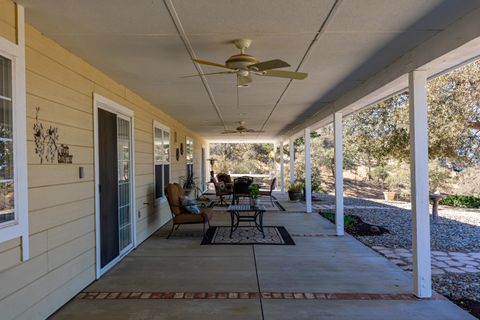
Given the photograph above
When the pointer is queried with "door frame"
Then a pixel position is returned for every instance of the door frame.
(100, 102)
(203, 168)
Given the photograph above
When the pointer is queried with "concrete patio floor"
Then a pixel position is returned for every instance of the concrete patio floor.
(319, 262)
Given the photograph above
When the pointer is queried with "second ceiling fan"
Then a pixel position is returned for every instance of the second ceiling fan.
(241, 129)
(244, 65)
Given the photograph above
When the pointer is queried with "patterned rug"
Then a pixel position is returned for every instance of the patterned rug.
(248, 235)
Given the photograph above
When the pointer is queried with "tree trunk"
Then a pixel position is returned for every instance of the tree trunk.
(369, 166)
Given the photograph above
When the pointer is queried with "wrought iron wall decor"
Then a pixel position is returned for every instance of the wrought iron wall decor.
(47, 143)
(64, 155)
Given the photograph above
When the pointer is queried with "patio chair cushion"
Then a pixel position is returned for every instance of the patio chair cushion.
(227, 180)
(224, 177)
(175, 197)
(186, 218)
(191, 206)
(221, 186)
(268, 192)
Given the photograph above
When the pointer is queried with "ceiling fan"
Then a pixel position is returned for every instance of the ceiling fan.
(241, 129)
(244, 65)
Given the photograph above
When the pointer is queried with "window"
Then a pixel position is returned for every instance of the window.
(189, 156)
(7, 194)
(13, 141)
(161, 158)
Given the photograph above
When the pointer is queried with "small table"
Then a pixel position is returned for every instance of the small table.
(243, 212)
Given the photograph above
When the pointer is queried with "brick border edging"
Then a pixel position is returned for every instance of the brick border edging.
(248, 295)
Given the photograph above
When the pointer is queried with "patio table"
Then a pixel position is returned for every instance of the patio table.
(245, 212)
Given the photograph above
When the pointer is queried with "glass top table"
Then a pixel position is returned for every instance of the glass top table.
(246, 213)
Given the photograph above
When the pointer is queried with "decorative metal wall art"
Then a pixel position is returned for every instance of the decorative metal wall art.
(47, 143)
(64, 155)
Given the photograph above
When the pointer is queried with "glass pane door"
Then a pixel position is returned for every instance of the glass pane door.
(124, 183)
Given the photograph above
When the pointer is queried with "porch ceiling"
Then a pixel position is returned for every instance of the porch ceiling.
(136, 42)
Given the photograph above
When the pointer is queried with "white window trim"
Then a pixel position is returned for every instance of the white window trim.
(162, 127)
(16, 52)
(193, 149)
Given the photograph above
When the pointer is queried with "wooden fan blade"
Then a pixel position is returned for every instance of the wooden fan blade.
(208, 74)
(213, 64)
(285, 74)
(253, 131)
(229, 131)
(268, 65)
(244, 80)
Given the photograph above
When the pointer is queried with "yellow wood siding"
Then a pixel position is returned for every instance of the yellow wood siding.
(61, 205)
(7, 20)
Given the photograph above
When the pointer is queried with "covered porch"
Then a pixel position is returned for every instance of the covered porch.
(322, 277)
(110, 103)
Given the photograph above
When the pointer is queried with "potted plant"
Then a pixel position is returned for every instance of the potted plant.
(381, 174)
(254, 190)
(393, 185)
(295, 191)
(389, 195)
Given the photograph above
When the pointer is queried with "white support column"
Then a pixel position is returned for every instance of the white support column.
(292, 162)
(339, 208)
(282, 169)
(308, 173)
(275, 173)
(208, 167)
(422, 282)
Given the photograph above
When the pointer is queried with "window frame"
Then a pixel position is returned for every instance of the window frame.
(164, 128)
(15, 52)
(192, 160)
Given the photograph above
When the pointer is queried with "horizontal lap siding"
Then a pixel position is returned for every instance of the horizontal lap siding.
(7, 20)
(61, 205)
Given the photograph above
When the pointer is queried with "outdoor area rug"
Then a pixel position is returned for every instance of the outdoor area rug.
(248, 235)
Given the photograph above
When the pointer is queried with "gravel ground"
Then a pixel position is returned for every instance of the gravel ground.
(348, 201)
(457, 230)
(462, 289)
(458, 286)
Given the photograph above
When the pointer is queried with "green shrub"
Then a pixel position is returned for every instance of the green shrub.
(297, 186)
(461, 201)
(347, 219)
(380, 174)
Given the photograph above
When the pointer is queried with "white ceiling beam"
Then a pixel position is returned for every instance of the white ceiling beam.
(181, 32)
(456, 44)
(307, 54)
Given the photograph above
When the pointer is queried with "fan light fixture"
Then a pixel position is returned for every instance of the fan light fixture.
(244, 65)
